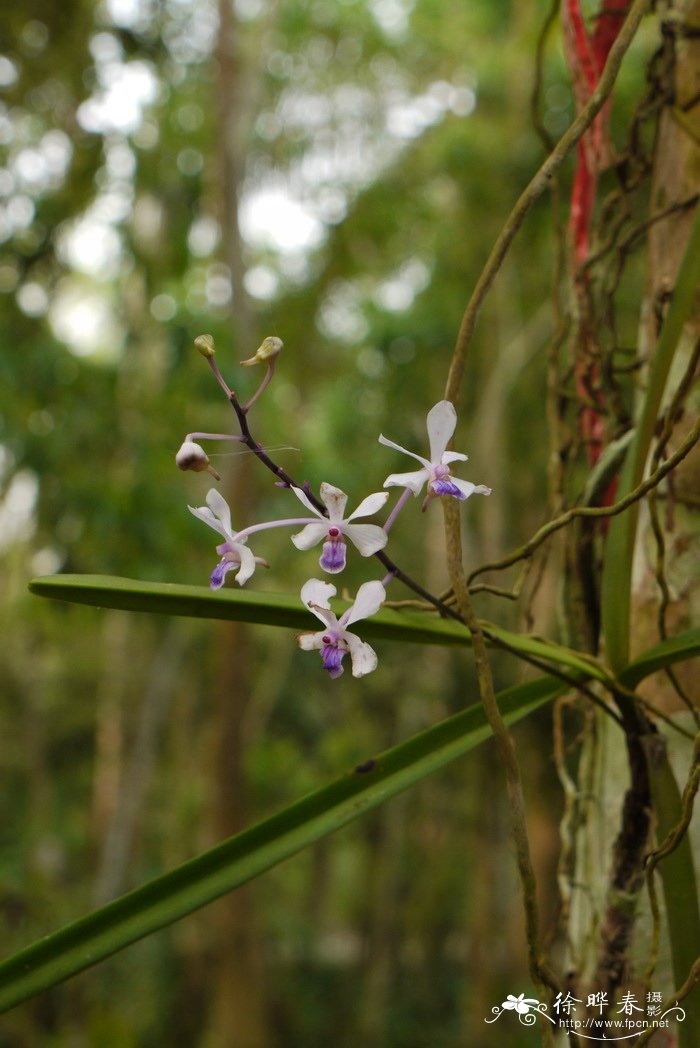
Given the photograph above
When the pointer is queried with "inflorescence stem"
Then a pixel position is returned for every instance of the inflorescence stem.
(213, 436)
(401, 502)
(262, 387)
(290, 522)
(288, 482)
(211, 360)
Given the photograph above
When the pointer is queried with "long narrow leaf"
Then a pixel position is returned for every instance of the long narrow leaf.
(166, 899)
(675, 649)
(272, 609)
(172, 896)
(268, 609)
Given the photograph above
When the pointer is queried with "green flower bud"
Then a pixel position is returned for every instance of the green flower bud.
(205, 345)
(268, 349)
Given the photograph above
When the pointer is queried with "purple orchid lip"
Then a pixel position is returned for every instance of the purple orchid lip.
(333, 556)
(332, 659)
(216, 579)
(446, 487)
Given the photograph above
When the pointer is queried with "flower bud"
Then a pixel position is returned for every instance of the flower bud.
(192, 456)
(205, 345)
(268, 349)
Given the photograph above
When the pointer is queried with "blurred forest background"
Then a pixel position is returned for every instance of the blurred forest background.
(333, 173)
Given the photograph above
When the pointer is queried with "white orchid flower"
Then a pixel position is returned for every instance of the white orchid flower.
(335, 641)
(233, 550)
(367, 538)
(441, 421)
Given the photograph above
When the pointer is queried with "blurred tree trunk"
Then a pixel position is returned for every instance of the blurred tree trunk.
(665, 599)
(383, 932)
(236, 1016)
(119, 792)
(236, 1008)
(676, 178)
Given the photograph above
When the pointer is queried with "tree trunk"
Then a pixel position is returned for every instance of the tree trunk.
(236, 1010)
(603, 774)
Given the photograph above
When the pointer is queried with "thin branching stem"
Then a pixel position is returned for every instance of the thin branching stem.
(540, 970)
(529, 547)
(537, 186)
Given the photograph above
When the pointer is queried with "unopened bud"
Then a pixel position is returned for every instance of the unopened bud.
(192, 456)
(205, 345)
(268, 349)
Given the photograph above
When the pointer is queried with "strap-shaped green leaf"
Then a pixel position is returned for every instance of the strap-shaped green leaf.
(194, 884)
(242, 605)
(243, 857)
(272, 609)
(676, 649)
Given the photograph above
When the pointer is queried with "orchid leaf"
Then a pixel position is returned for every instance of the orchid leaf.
(241, 605)
(192, 885)
(676, 649)
(274, 609)
(243, 857)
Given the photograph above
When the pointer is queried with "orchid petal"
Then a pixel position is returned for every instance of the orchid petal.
(310, 535)
(324, 614)
(367, 538)
(397, 447)
(219, 507)
(442, 420)
(315, 595)
(205, 514)
(317, 592)
(369, 599)
(372, 504)
(247, 562)
(305, 500)
(414, 481)
(334, 500)
(453, 456)
(364, 658)
(468, 489)
(311, 641)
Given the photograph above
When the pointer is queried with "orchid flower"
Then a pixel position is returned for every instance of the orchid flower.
(442, 420)
(234, 551)
(367, 538)
(335, 641)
